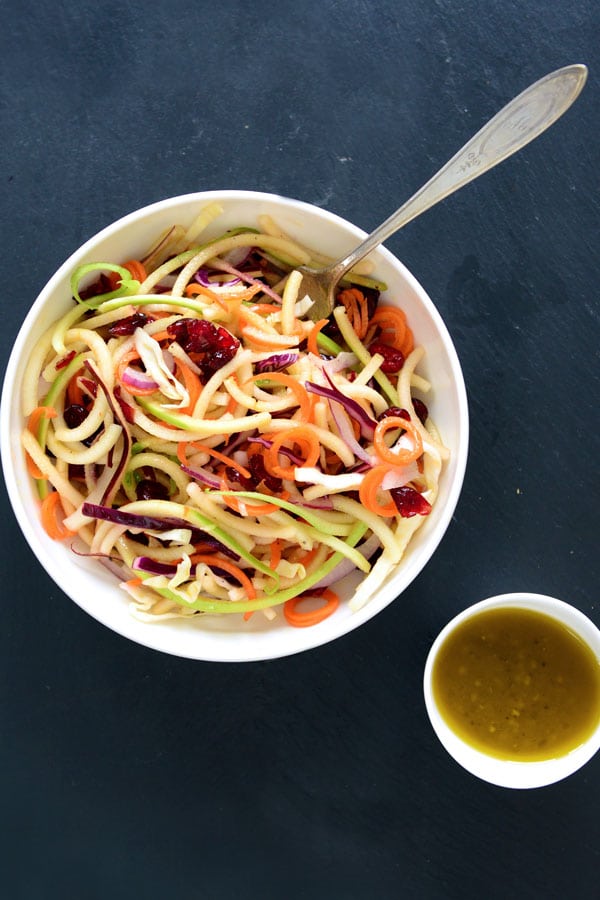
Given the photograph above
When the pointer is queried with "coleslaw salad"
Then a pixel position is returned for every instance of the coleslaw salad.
(193, 429)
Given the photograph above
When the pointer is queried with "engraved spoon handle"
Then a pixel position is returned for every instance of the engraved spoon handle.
(517, 123)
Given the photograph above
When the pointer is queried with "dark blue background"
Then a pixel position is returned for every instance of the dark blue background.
(126, 773)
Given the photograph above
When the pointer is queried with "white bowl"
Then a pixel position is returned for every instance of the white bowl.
(502, 772)
(228, 638)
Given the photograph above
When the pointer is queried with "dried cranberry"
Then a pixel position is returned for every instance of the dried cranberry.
(102, 285)
(125, 327)
(259, 474)
(393, 359)
(193, 335)
(420, 409)
(88, 441)
(150, 489)
(210, 346)
(214, 361)
(74, 415)
(410, 502)
(234, 477)
(396, 412)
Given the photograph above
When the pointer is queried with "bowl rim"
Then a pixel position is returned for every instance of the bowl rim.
(505, 772)
(317, 637)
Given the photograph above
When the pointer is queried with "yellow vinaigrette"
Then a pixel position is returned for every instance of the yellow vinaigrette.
(517, 684)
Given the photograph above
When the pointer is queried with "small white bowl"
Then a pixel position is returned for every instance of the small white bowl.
(228, 638)
(509, 773)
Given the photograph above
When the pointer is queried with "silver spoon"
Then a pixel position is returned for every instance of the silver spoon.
(517, 123)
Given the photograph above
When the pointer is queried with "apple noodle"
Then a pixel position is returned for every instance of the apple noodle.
(191, 428)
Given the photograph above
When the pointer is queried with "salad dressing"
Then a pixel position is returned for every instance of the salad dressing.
(518, 684)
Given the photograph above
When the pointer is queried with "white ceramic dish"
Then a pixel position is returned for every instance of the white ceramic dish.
(502, 772)
(228, 638)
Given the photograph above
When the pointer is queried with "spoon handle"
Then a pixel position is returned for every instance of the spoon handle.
(517, 123)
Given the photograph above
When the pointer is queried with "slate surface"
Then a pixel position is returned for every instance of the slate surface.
(127, 773)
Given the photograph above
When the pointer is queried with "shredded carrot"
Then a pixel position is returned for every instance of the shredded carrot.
(193, 386)
(231, 405)
(369, 489)
(134, 267)
(227, 566)
(75, 395)
(314, 399)
(299, 391)
(264, 340)
(331, 461)
(402, 456)
(161, 336)
(249, 292)
(357, 309)
(265, 308)
(32, 468)
(311, 617)
(124, 362)
(392, 323)
(275, 553)
(306, 558)
(313, 334)
(137, 269)
(394, 328)
(39, 413)
(193, 289)
(408, 345)
(252, 448)
(133, 582)
(52, 515)
(242, 507)
(303, 437)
